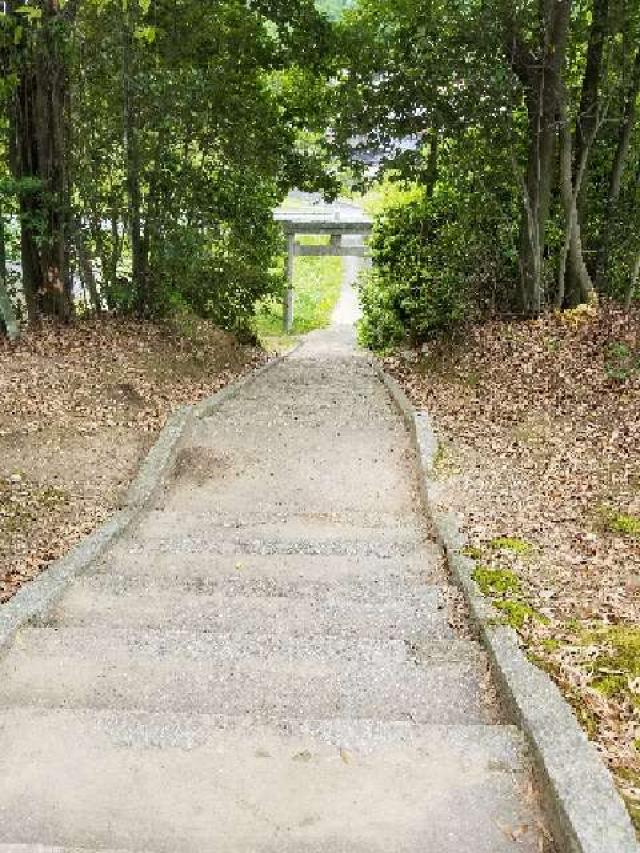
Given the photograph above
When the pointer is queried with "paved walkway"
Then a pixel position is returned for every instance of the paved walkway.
(267, 663)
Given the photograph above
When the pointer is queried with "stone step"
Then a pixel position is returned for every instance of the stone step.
(173, 784)
(426, 566)
(150, 607)
(226, 649)
(418, 597)
(252, 523)
(114, 677)
(160, 538)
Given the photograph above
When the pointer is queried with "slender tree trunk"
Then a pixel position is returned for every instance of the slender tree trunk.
(570, 187)
(7, 314)
(617, 172)
(38, 149)
(133, 178)
(432, 161)
(587, 126)
(541, 76)
(86, 268)
(633, 283)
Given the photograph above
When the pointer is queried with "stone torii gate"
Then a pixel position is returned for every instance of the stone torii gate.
(337, 225)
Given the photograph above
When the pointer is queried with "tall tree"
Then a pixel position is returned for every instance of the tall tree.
(38, 145)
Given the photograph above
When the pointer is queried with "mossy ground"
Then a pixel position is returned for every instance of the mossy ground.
(513, 544)
(616, 670)
(22, 501)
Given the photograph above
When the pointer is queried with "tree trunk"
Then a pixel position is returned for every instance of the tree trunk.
(633, 283)
(7, 314)
(581, 288)
(541, 76)
(617, 172)
(38, 160)
(431, 176)
(587, 127)
(133, 178)
(86, 268)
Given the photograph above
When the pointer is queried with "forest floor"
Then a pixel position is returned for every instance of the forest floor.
(80, 407)
(540, 429)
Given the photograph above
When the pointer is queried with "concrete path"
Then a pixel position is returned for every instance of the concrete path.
(270, 661)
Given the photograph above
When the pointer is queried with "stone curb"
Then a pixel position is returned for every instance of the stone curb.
(586, 813)
(36, 598)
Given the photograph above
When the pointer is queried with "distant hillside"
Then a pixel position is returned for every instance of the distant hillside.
(333, 8)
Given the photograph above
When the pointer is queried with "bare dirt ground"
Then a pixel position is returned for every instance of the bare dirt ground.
(540, 423)
(80, 405)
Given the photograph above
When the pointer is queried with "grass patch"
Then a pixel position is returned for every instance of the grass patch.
(513, 544)
(317, 283)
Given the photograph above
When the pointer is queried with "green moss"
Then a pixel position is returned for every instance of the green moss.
(626, 525)
(444, 464)
(472, 552)
(551, 645)
(496, 581)
(614, 668)
(517, 614)
(21, 503)
(512, 543)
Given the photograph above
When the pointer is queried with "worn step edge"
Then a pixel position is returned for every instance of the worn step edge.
(365, 734)
(36, 598)
(215, 647)
(586, 811)
(43, 848)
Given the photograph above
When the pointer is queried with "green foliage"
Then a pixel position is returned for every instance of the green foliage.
(414, 291)
(432, 264)
(188, 123)
(447, 95)
(333, 9)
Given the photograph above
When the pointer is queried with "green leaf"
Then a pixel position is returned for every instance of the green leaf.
(30, 12)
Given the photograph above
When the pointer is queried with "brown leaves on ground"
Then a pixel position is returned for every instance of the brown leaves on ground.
(80, 406)
(540, 424)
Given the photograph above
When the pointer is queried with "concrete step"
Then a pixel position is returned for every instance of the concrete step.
(418, 597)
(258, 524)
(114, 677)
(160, 538)
(225, 649)
(139, 782)
(125, 558)
(150, 607)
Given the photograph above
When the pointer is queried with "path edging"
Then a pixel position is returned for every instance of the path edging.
(586, 812)
(36, 598)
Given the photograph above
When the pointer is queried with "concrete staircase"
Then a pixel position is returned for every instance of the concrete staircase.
(267, 662)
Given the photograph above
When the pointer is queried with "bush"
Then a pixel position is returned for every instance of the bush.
(415, 290)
